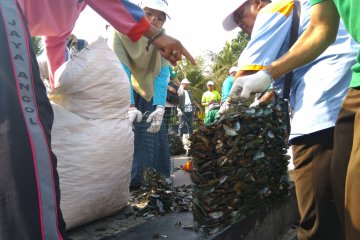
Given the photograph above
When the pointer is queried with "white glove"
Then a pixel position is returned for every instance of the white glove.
(156, 118)
(255, 83)
(256, 102)
(224, 107)
(180, 113)
(134, 114)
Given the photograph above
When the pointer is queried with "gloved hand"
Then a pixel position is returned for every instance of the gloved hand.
(224, 108)
(256, 101)
(156, 118)
(254, 83)
(134, 114)
(179, 112)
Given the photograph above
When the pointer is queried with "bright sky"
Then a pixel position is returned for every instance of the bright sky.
(196, 23)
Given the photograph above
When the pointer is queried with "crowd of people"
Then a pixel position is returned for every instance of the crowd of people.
(324, 96)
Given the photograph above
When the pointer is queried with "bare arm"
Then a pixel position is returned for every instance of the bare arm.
(322, 31)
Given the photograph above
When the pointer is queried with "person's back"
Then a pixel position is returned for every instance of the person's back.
(227, 84)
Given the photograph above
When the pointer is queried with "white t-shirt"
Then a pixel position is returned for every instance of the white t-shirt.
(188, 107)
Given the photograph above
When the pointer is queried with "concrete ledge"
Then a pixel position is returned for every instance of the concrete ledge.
(266, 224)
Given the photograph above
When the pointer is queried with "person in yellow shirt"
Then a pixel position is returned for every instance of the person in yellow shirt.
(211, 100)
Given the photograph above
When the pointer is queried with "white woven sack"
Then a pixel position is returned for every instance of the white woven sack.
(94, 82)
(92, 136)
(94, 165)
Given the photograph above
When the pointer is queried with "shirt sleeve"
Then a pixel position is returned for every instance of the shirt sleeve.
(160, 86)
(125, 16)
(270, 32)
(55, 47)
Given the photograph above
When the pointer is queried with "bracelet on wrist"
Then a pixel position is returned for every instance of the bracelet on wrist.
(152, 39)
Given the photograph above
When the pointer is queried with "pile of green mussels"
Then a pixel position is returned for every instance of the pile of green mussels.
(157, 196)
(176, 145)
(239, 164)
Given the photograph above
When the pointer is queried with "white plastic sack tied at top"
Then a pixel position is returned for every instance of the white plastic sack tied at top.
(92, 136)
(94, 83)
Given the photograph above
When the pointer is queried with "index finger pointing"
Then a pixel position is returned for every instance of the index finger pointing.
(188, 55)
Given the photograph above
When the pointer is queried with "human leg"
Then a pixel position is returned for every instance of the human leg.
(29, 189)
(182, 125)
(210, 116)
(312, 159)
(189, 122)
(343, 140)
(352, 184)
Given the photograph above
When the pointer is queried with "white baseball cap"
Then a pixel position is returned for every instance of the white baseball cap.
(185, 81)
(210, 83)
(229, 23)
(160, 5)
(233, 69)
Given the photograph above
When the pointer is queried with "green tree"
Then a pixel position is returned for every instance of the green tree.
(194, 73)
(37, 45)
(211, 66)
(227, 58)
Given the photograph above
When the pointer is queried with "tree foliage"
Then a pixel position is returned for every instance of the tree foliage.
(228, 57)
(194, 73)
(211, 66)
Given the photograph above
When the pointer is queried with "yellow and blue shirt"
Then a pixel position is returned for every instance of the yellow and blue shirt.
(319, 87)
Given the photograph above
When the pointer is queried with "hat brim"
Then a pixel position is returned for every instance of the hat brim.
(156, 7)
(229, 23)
(233, 69)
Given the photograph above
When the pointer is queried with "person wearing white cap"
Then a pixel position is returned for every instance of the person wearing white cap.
(227, 84)
(148, 73)
(186, 110)
(211, 101)
(174, 91)
(316, 94)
